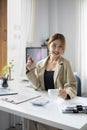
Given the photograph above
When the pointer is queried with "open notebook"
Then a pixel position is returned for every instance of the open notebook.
(19, 98)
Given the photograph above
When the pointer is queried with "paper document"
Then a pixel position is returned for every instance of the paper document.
(19, 98)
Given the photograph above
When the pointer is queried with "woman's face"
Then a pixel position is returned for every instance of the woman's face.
(56, 48)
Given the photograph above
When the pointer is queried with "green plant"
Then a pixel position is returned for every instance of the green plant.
(8, 68)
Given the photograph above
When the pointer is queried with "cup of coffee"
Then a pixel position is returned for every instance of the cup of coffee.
(53, 93)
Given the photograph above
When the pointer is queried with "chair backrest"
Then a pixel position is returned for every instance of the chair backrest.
(78, 85)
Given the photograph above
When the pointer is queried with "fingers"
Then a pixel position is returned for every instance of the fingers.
(30, 59)
(30, 63)
(62, 93)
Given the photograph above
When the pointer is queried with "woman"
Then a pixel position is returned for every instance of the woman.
(54, 71)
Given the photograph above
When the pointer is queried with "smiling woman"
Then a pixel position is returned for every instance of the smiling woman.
(53, 72)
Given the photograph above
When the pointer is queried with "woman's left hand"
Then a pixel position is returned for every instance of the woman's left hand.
(62, 93)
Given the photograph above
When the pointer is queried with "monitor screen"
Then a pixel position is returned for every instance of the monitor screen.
(37, 53)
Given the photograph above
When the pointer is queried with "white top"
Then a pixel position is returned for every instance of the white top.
(49, 114)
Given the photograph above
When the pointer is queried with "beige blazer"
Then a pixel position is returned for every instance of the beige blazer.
(63, 76)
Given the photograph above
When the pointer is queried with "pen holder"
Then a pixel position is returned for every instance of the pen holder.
(5, 82)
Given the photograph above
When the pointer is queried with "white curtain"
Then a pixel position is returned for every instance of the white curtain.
(81, 48)
(21, 26)
(31, 15)
(84, 45)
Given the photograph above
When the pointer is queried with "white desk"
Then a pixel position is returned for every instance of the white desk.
(49, 114)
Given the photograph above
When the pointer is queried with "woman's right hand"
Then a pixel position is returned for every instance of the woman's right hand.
(30, 63)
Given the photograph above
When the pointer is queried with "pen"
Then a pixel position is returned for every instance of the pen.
(5, 94)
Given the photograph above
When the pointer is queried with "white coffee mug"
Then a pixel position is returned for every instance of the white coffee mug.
(53, 93)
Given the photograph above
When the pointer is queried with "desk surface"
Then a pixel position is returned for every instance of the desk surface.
(49, 114)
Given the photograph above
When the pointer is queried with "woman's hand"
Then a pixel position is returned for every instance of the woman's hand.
(30, 63)
(62, 93)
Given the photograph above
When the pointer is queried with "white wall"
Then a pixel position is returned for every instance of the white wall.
(42, 22)
(59, 16)
(67, 26)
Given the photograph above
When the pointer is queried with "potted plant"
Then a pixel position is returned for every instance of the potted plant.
(7, 70)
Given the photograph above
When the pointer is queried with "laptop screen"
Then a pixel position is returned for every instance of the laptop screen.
(37, 53)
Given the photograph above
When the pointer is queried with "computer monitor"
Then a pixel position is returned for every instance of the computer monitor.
(37, 53)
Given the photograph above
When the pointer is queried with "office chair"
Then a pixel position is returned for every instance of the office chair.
(78, 85)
